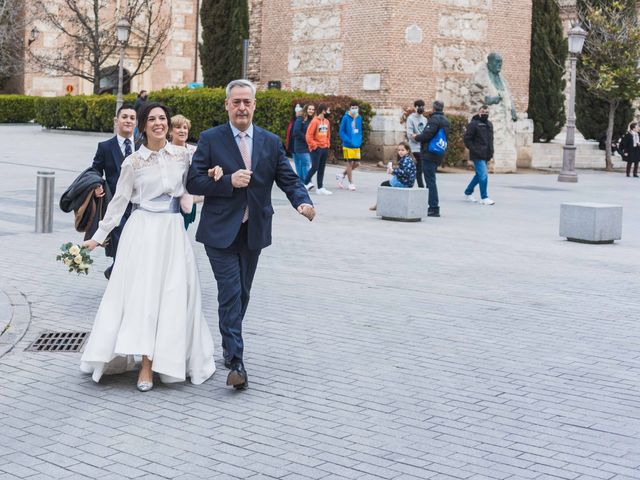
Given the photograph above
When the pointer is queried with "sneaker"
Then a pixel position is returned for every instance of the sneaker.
(470, 198)
(486, 201)
(310, 186)
(352, 187)
(339, 179)
(324, 191)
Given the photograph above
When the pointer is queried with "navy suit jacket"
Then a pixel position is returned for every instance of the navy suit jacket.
(224, 205)
(108, 160)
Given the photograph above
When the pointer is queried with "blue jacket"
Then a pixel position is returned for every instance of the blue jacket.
(350, 134)
(224, 205)
(299, 132)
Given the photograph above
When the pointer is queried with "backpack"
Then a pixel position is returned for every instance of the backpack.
(438, 144)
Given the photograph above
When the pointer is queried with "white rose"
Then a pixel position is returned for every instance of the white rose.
(78, 259)
(83, 266)
(74, 250)
(67, 262)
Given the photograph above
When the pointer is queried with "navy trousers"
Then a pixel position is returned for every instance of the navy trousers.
(234, 268)
(429, 168)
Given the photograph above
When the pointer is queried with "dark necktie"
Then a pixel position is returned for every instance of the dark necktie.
(127, 147)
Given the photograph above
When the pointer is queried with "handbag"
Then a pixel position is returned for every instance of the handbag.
(438, 144)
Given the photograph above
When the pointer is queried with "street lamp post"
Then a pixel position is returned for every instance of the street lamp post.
(123, 27)
(568, 173)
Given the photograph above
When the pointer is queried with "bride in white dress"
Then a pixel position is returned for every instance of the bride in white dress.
(152, 304)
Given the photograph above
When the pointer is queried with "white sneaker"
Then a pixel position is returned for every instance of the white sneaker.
(352, 187)
(310, 186)
(486, 201)
(324, 191)
(470, 198)
(339, 179)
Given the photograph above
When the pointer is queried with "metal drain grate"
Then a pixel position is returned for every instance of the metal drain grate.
(58, 342)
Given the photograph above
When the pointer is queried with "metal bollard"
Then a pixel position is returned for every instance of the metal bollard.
(44, 201)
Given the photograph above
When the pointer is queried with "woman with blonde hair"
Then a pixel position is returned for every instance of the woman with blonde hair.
(180, 126)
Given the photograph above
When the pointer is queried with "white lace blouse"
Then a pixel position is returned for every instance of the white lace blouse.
(146, 175)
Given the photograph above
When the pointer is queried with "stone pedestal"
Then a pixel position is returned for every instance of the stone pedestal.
(402, 204)
(591, 222)
(524, 142)
(386, 133)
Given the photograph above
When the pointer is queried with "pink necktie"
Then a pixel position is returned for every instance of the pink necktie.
(244, 152)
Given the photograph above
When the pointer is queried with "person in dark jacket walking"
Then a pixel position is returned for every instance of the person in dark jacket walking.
(430, 161)
(478, 138)
(301, 155)
(630, 146)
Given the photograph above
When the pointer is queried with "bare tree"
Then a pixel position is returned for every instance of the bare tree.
(88, 36)
(11, 39)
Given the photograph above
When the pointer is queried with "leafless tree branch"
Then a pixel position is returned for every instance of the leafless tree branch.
(88, 36)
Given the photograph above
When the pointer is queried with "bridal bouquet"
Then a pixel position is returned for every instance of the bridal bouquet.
(76, 258)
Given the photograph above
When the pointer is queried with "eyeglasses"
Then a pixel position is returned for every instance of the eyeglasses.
(247, 102)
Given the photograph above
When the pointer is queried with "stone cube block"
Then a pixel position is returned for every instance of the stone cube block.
(402, 204)
(591, 222)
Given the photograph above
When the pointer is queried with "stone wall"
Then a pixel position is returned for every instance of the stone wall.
(390, 52)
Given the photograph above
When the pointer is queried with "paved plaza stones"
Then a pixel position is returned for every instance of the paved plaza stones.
(478, 345)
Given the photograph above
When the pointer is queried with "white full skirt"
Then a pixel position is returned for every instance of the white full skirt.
(152, 305)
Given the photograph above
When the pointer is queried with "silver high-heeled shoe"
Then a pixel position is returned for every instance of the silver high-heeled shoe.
(144, 386)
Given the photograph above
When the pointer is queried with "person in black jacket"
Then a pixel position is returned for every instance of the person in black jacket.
(630, 146)
(430, 161)
(478, 138)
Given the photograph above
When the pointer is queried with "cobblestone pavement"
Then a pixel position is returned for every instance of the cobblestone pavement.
(479, 345)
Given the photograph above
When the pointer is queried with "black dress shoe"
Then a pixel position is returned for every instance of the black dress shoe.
(433, 213)
(107, 272)
(238, 376)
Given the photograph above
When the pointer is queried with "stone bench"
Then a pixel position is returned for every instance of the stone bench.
(591, 222)
(402, 204)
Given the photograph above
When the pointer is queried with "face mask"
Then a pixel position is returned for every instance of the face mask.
(354, 110)
(420, 110)
(484, 116)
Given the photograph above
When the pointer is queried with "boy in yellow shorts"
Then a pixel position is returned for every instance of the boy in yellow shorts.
(351, 136)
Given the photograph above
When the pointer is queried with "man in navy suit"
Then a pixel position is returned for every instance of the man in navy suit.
(236, 216)
(107, 162)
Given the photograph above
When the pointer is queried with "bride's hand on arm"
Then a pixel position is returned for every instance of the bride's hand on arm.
(215, 173)
(90, 244)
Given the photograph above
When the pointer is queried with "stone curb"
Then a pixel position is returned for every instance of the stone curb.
(20, 318)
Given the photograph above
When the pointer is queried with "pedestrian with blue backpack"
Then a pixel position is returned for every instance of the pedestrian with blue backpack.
(433, 146)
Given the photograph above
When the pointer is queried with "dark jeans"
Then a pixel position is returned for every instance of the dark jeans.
(318, 162)
(635, 168)
(418, 158)
(429, 168)
(234, 268)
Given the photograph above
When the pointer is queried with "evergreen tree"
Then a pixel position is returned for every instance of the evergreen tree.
(225, 24)
(546, 83)
(592, 115)
(608, 70)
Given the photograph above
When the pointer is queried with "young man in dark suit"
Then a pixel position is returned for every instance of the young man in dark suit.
(236, 216)
(107, 161)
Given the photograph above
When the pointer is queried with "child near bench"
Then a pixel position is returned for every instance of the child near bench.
(404, 175)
